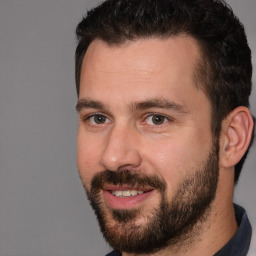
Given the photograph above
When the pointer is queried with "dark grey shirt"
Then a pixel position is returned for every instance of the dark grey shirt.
(239, 244)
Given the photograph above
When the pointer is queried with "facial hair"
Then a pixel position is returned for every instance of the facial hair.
(166, 225)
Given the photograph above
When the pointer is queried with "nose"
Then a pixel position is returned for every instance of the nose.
(121, 150)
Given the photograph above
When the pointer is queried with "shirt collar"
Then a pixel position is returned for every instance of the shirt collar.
(239, 244)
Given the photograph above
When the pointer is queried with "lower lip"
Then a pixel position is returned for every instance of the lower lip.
(125, 202)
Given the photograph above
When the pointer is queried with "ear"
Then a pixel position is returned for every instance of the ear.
(235, 136)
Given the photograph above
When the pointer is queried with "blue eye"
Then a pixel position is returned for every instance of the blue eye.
(156, 119)
(98, 119)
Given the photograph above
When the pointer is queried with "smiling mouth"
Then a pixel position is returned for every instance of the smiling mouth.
(126, 193)
(123, 197)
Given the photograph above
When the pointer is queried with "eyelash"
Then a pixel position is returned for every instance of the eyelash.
(167, 119)
(86, 119)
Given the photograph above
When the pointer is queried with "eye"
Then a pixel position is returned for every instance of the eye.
(156, 119)
(98, 119)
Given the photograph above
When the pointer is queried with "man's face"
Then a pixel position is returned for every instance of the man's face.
(146, 155)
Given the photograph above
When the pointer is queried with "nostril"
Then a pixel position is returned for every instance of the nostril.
(129, 159)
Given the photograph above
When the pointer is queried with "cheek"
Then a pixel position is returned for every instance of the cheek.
(175, 158)
(167, 159)
(88, 157)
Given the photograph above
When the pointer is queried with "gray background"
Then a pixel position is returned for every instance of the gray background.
(43, 208)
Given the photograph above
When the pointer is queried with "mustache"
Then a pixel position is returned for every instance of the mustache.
(127, 177)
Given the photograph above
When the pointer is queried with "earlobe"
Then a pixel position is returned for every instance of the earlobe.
(236, 132)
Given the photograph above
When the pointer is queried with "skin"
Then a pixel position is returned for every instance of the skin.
(122, 77)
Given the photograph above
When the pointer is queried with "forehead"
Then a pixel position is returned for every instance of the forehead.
(155, 67)
(163, 50)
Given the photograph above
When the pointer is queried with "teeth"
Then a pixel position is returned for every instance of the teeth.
(127, 193)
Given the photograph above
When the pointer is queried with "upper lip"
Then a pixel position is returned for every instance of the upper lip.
(125, 187)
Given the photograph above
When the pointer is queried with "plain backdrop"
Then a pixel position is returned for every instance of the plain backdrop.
(43, 207)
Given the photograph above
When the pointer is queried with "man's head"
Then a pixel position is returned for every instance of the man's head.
(163, 88)
(225, 70)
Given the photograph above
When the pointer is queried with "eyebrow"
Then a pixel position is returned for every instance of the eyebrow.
(85, 103)
(150, 103)
(159, 103)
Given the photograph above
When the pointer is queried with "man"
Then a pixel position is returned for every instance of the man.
(164, 128)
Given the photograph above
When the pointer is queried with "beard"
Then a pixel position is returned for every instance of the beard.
(169, 223)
